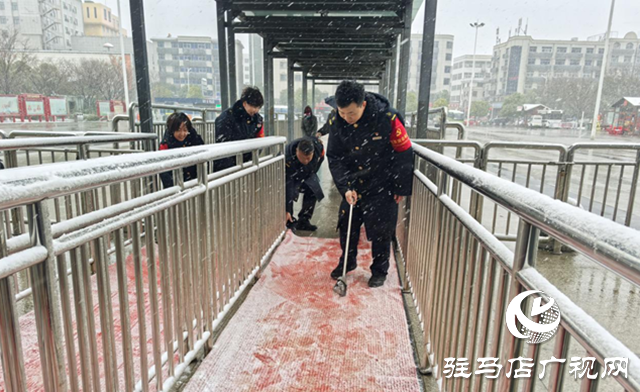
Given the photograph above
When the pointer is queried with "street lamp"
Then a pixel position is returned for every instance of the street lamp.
(108, 46)
(476, 26)
(594, 124)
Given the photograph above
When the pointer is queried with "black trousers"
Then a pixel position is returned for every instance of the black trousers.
(308, 203)
(379, 215)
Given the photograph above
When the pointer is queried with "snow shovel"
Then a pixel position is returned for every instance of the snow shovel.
(341, 285)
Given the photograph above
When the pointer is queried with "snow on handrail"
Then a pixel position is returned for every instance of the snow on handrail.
(613, 245)
(16, 144)
(20, 186)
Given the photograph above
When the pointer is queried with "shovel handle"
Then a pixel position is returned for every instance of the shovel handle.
(346, 248)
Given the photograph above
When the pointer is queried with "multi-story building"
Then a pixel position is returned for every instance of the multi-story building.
(442, 63)
(185, 61)
(45, 25)
(523, 63)
(99, 21)
(461, 79)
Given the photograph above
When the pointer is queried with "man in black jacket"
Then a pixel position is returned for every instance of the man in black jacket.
(303, 159)
(240, 122)
(371, 161)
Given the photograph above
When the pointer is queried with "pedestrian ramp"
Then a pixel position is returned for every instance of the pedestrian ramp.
(293, 333)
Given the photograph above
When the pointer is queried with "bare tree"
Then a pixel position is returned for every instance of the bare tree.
(14, 62)
(51, 78)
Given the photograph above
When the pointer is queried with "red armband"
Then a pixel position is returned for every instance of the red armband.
(260, 133)
(164, 147)
(399, 138)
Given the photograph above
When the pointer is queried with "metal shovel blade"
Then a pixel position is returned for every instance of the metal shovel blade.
(341, 287)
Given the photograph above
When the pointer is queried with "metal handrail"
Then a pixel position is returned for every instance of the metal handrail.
(451, 262)
(617, 250)
(42, 142)
(210, 237)
(34, 184)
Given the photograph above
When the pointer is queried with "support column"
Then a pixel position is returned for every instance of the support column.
(313, 93)
(405, 53)
(428, 37)
(140, 59)
(222, 56)
(231, 49)
(268, 86)
(305, 90)
(393, 74)
(290, 100)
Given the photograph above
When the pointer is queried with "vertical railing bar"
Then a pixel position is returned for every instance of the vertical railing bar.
(618, 193)
(593, 187)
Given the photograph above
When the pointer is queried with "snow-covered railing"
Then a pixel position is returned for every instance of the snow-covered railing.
(127, 295)
(599, 177)
(463, 277)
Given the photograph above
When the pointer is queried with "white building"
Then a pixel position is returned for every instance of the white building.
(523, 63)
(441, 67)
(461, 79)
(45, 25)
(184, 61)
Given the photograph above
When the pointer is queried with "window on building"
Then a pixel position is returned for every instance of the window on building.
(16, 21)
(601, 51)
(589, 50)
(533, 49)
(1, 5)
(532, 61)
(283, 77)
(104, 12)
(447, 69)
(95, 12)
(599, 63)
(560, 62)
(575, 62)
(448, 58)
(14, 6)
(562, 49)
(627, 59)
(161, 44)
(88, 13)
(629, 46)
(545, 61)
(3, 20)
(588, 63)
(547, 49)
(446, 81)
(109, 16)
(449, 44)
(616, 45)
(576, 50)
(436, 44)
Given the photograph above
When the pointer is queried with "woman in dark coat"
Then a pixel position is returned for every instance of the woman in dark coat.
(179, 133)
(309, 123)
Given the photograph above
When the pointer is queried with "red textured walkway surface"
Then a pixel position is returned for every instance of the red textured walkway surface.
(294, 334)
(28, 331)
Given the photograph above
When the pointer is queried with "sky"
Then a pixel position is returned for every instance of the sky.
(548, 19)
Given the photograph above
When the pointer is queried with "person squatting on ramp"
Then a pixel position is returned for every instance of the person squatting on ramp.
(303, 159)
(371, 161)
(179, 133)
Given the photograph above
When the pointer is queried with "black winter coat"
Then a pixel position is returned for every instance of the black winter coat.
(169, 142)
(298, 174)
(373, 155)
(235, 124)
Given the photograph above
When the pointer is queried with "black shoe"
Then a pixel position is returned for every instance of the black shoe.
(293, 225)
(377, 280)
(305, 225)
(337, 272)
